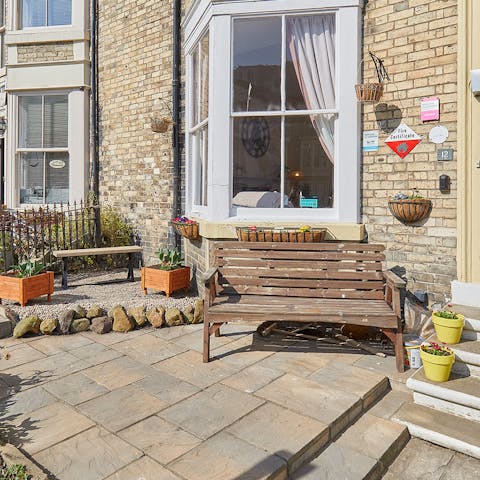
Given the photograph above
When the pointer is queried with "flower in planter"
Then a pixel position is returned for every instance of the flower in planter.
(447, 313)
(182, 220)
(170, 259)
(435, 349)
(28, 268)
(252, 228)
(304, 228)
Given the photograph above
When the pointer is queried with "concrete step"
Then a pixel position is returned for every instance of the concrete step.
(441, 428)
(471, 330)
(459, 396)
(366, 449)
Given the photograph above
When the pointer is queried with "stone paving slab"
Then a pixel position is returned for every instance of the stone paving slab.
(339, 462)
(96, 353)
(211, 410)
(118, 373)
(160, 439)
(144, 468)
(22, 403)
(252, 378)
(75, 389)
(292, 436)
(114, 337)
(167, 388)
(189, 367)
(390, 403)
(333, 407)
(47, 426)
(148, 349)
(51, 345)
(19, 355)
(91, 455)
(121, 408)
(225, 457)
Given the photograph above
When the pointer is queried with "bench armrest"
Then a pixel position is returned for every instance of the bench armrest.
(393, 287)
(207, 277)
(394, 279)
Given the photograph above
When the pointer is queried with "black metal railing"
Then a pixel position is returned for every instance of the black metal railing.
(34, 233)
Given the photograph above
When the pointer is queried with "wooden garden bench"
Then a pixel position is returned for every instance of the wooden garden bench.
(86, 252)
(340, 283)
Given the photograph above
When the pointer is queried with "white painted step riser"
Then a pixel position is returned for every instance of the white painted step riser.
(443, 393)
(466, 357)
(443, 440)
(470, 335)
(472, 324)
(446, 406)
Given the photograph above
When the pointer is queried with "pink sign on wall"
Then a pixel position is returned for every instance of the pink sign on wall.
(430, 109)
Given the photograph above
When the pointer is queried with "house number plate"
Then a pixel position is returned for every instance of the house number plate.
(445, 154)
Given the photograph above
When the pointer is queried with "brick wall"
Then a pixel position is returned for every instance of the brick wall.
(41, 53)
(417, 39)
(136, 169)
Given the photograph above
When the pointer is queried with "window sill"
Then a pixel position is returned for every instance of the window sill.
(46, 35)
(335, 231)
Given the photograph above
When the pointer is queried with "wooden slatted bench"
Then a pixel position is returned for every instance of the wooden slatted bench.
(340, 283)
(129, 250)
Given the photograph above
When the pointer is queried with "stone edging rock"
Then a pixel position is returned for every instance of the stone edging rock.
(96, 319)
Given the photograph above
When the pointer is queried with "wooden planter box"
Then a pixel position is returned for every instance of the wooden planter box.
(167, 281)
(315, 235)
(24, 289)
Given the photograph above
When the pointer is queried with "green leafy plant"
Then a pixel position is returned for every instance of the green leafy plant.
(28, 268)
(170, 259)
(436, 349)
(14, 472)
(447, 313)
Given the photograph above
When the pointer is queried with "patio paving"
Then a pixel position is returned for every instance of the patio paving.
(143, 405)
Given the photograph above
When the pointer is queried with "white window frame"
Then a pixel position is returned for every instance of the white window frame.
(78, 144)
(218, 17)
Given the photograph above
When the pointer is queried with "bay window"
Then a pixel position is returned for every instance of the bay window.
(280, 140)
(42, 149)
(45, 13)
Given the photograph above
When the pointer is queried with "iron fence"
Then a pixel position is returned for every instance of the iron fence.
(34, 233)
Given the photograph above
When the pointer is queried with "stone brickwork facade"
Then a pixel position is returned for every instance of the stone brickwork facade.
(417, 39)
(135, 85)
(43, 53)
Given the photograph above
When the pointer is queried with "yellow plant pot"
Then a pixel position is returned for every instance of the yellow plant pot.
(448, 330)
(437, 368)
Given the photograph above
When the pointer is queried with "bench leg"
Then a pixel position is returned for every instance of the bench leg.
(396, 337)
(206, 341)
(130, 268)
(64, 273)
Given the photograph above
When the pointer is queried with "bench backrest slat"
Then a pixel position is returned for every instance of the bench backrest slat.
(323, 270)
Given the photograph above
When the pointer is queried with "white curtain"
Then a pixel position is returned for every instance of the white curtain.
(311, 42)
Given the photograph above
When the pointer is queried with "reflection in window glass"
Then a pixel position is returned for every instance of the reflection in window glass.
(56, 121)
(256, 162)
(200, 153)
(257, 54)
(308, 168)
(43, 13)
(31, 177)
(59, 12)
(30, 121)
(56, 177)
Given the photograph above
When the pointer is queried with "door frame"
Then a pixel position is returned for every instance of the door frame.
(468, 217)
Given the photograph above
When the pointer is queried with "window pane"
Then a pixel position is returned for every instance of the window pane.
(59, 12)
(2, 12)
(56, 177)
(3, 50)
(310, 63)
(56, 121)
(195, 88)
(200, 165)
(257, 53)
(256, 162)
(31, 177)
(30, 121)
(204, 56)
(34, 13)
(309, 161)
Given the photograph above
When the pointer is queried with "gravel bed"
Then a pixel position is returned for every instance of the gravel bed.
(83, 291)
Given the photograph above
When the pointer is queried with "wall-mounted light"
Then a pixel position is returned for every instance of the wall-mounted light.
(296, 174)
(444, 183)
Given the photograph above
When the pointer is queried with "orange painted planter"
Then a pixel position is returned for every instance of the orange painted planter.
(167, 281)
(24, 289)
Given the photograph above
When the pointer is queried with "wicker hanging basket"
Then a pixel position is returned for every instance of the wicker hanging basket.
(187, 230)
(369, 92)
(315, 235)
(161, 125)
(410, 210)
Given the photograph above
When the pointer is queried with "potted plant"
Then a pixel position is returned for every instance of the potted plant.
(25, 281)
(437, 361)
(448, 325)
(169, 275)
(186, 227)
(410, 208)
